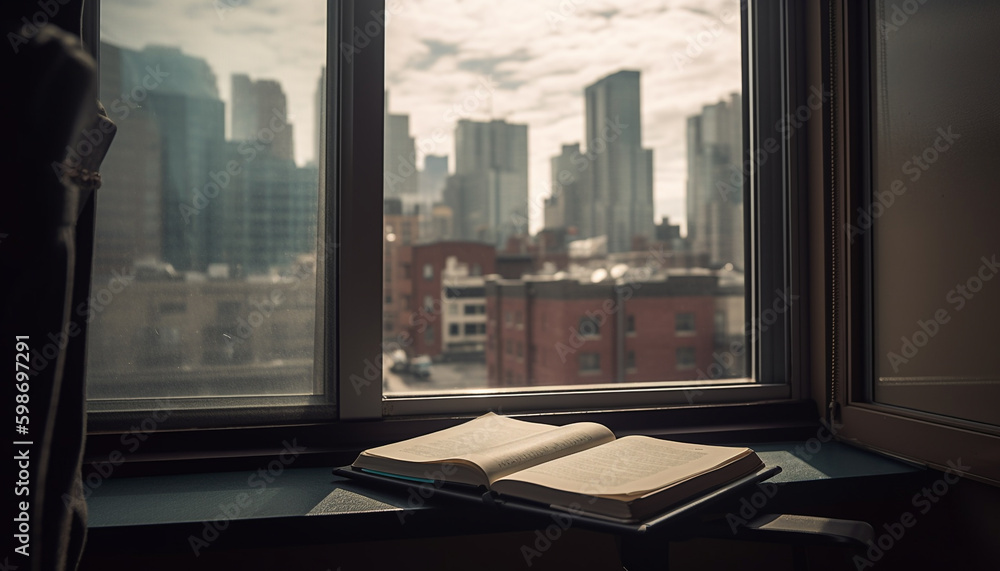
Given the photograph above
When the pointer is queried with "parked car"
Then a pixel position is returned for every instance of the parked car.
(419, 367)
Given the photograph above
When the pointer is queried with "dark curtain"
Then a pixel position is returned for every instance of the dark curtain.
(46, 248)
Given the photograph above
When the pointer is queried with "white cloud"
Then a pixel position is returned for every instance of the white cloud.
(437, 51)
(546, 57)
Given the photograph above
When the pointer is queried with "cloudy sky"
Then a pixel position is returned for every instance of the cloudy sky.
(539, 54)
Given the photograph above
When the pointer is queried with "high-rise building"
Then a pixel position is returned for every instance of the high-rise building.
(489, 192)
(185, 121)
(715, 183)
(619, 200)
(129, 205)
(433, 177)
(565, 207)
(399, 164)
(270, 213)
(260, 114)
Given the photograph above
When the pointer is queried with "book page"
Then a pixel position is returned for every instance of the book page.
(482, 433)
(517, 455)
(633, 465)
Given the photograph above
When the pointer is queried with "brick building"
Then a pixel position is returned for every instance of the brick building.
(567, 331)
(399, 231)
(420, 287)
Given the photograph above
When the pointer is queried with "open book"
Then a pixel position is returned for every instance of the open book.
(579, 467)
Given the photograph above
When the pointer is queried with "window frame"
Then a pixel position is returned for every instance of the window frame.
(774, 220)
(352, 311)
(927, 438)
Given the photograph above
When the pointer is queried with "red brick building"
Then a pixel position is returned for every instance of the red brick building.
(420, 268)
(563, 332)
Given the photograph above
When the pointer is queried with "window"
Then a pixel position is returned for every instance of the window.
(619, 264)
(926, 382)
(685, 358)
(590, 362)
(210, 203)
(590, 327)
(684, 323)
(520, 350)
(569, 240)
(453, 329)
(630, 362)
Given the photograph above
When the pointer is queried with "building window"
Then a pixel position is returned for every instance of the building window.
(453, 329)
(590, 362)
(519, 320)
(452, 309)
(508, 318)
(630, 325)
(474, 309)
(428, 272)
(590, 327)
(476, 270)
(630, 361)
(520, 350)
(685, 358)
(429, 335)
(684, 323)
(508, 347)
(428, 304)
(471, 328)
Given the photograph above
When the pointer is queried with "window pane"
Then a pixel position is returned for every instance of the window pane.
(206, 258)
(580, 165)
(932, 214)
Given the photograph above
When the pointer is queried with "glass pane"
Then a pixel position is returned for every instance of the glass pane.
(574, 169)
(932, 217)
(206, 258)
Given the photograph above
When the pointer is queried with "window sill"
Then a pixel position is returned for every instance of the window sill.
(159, 514)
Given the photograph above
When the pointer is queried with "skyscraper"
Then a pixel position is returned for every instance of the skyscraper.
(489, 192)
(715, 182)
(399, 161)
(129, 204)
(187, 118)
(260, 113)
(433, 177)
(564, 208)
(620, 194)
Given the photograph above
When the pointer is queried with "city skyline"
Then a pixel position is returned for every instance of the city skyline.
(438, 51)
